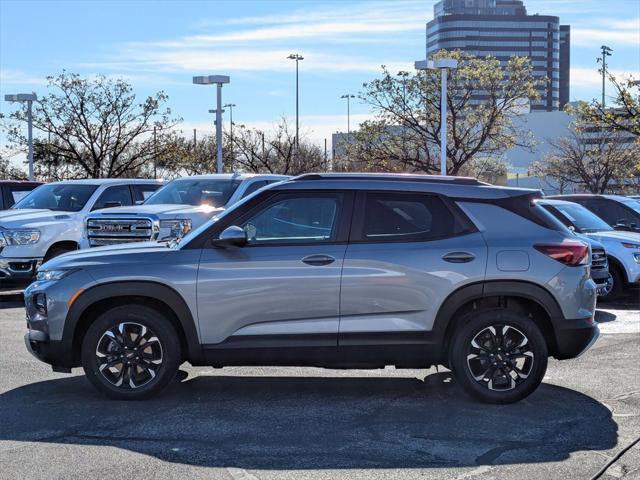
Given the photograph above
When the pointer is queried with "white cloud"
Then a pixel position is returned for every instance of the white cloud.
(263, 43)
(591, 78)
(18, 77)
(239, 60)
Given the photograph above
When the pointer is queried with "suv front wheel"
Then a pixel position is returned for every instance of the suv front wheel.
(498, 356)
(130, 352)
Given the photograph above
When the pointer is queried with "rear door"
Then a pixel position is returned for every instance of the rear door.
(407, 253)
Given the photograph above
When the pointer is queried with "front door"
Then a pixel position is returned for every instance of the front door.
(283, 287)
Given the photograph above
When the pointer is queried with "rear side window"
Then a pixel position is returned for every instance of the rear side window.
(143, 191)
(116, 196)
(410, 217)
(254, 186)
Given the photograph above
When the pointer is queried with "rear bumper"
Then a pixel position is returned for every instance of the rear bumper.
(575, 337)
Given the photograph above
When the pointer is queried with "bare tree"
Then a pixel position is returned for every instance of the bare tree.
(274, 152)
(96, 128)
(483, 98)
(595, 157)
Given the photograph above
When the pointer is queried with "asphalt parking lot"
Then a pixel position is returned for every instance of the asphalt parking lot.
(264, 423)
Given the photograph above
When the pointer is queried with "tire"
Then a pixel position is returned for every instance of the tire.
(478, 370)
(140, 347)
(54, 252)
(618, 284)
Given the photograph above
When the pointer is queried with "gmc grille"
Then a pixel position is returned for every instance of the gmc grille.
(598, 259)
(111, 231)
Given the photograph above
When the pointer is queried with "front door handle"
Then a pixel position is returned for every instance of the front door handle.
(318, 260)
(458, 257)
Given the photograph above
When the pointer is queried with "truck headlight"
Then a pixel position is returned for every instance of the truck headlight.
(635, 246)
(21, 237)
(177, 228)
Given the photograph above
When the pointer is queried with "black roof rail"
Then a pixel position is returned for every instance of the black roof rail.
(394, 177)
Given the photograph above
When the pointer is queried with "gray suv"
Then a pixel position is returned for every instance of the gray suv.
(330, 270)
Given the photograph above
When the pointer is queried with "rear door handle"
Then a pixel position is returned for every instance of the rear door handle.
(318, 260)
(458, 257)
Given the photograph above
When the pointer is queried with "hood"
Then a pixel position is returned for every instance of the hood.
(166, 210)
(32, 218)
(615, 235)
(591, 241)
(126, 252)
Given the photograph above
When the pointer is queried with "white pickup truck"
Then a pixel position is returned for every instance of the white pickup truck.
(49, 221)
(180, 206)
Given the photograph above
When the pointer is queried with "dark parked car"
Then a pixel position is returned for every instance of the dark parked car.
(13, 190)
(621, 213)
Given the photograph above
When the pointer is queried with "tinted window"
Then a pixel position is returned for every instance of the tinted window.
(254, 186)
(15, 193)
(142, 192)
(583, 220)
(407, 217)
(66, 198)
(117, 196)
(215, 193)
(301, 219)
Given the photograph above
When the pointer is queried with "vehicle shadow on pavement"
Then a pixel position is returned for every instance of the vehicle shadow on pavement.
(313, 422)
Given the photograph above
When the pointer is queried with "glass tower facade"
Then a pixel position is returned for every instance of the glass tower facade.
(502, 28)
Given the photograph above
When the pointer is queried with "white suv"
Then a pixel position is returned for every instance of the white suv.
(49, 221)
(180, 206)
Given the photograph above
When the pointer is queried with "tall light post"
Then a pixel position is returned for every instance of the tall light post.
(404, 74)
(218, 80)
(442, 64)
(606, 52)
(27, 98)
(348, 96)
(230, 106)
(297, 57)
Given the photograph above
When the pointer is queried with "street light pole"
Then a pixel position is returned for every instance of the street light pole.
(606, 52)
(404, 74)
(348, 96)
(297, 57)
(442, 64)
(218, 80)
(27, 98)
(231, 105)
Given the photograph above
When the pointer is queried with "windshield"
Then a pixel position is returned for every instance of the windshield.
(580, 218)
(215, 193)
(65, 198)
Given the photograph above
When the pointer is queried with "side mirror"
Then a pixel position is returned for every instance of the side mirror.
(232, 236)
(112, 204)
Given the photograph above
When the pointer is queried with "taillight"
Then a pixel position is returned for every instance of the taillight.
(569, 252)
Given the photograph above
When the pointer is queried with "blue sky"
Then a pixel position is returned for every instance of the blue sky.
(162, 44)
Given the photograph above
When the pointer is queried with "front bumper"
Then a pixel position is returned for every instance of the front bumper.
(18, 269)
(56, 354)
(575, 337)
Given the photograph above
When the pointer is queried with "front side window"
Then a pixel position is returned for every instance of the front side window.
(408, 218)
(300, 219)
(56, 197)
(143, 191)
(215, 193)
(116, 196)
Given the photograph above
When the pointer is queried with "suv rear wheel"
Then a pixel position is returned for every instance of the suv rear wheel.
(130, 352)
(498, 356)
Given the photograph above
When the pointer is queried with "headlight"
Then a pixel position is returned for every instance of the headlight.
(631, 245)
(49, 275)
(177, 228)
(21, 237)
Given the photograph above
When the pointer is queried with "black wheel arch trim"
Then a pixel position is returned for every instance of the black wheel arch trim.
(153, 290)
(497, 288)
